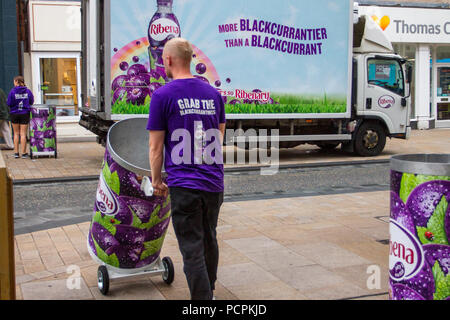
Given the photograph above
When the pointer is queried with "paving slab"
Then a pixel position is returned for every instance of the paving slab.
(55, 290)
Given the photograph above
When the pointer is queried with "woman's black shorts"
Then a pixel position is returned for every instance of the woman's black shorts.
(23, 119)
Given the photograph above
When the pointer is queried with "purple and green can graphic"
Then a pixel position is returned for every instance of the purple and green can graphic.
(419, 263)
(43, 130)
(128, 228)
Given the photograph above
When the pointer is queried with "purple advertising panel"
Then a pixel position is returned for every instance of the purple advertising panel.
(266, 58)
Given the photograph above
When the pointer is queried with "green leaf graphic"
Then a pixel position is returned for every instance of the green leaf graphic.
(436, 225)
(154, 219)
(152, 247)
(111, 179)
(407, 186)
(115, 183)
(442, 283)
(50, 143)
(105, 223)
(423, 179)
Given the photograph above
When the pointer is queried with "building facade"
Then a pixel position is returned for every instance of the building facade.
(52, 63)
(9, 57)
(420, 32)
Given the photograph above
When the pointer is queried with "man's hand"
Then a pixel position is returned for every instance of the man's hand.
(160, 189)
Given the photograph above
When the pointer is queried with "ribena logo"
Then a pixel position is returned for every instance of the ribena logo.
(258, 96)
(106, 202)
(406, 253)
(402, 252)
(162, 28)
(386, 102)
(159, 28)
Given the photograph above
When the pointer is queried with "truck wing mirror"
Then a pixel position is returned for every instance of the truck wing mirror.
(404, 102)
(409, 74)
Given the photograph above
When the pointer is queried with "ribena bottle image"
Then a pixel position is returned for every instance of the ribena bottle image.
(163, 26)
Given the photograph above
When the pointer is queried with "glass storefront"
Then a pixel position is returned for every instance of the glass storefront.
(443, 93)
(442, 97)
(439, 82)
(59, 84)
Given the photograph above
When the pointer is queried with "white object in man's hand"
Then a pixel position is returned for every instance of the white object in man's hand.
(146, 187)
(154, 189)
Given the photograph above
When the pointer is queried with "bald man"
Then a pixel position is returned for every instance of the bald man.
(187, 117)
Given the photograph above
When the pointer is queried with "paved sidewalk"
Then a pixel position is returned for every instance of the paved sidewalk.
(80, 159)
(298, 248)
(289, 249)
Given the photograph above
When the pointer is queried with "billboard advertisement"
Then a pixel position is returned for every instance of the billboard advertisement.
(267, 58)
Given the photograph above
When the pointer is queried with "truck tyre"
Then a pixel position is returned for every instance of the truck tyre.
(370, 139)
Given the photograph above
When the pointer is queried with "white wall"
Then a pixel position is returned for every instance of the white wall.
(422, 79)
(55, 25)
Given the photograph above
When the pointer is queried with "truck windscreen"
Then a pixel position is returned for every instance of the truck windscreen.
(387, 74)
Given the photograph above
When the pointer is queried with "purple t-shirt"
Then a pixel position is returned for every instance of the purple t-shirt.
(198, 108)
(20, 100)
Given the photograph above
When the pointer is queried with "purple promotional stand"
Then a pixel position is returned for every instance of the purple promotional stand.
(43, 141)
(129, 224)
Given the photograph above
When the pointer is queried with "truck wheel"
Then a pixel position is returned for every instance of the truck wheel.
(370, 139)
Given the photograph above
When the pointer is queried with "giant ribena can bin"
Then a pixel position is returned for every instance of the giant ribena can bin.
(419, 261)
(128, 228)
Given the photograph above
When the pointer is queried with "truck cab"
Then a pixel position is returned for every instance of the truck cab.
(381, 90)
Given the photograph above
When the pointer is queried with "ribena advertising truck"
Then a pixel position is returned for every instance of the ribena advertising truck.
(315, 71)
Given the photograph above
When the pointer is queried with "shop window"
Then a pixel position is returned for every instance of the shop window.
(387, 74)
(443, 54)
(59, 84)
(443, 93)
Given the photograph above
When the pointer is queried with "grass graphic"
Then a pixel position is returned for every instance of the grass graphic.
(292, 104)
(288, 104)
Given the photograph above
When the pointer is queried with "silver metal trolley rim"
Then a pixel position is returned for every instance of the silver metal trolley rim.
(157, 268)
(426, 164)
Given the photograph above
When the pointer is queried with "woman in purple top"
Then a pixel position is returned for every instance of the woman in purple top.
(20, 100)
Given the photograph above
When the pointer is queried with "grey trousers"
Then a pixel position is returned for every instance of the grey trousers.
(5, 132)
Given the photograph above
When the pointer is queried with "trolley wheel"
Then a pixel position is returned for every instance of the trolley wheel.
(103, 280)
(169, 272)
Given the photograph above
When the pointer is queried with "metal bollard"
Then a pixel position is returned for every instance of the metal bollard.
(7, 263)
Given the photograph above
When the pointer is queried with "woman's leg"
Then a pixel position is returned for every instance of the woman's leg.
(23, 137)
(16, 128)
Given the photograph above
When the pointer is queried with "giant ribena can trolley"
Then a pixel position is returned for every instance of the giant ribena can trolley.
(129, 224)
(419, 260)
(42, 133)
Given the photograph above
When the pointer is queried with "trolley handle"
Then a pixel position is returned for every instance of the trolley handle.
(147, 187)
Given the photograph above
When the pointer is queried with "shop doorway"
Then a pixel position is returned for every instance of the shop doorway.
(442, 95)
(57, 82)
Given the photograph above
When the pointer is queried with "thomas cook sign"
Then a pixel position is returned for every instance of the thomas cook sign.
(414, 25)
